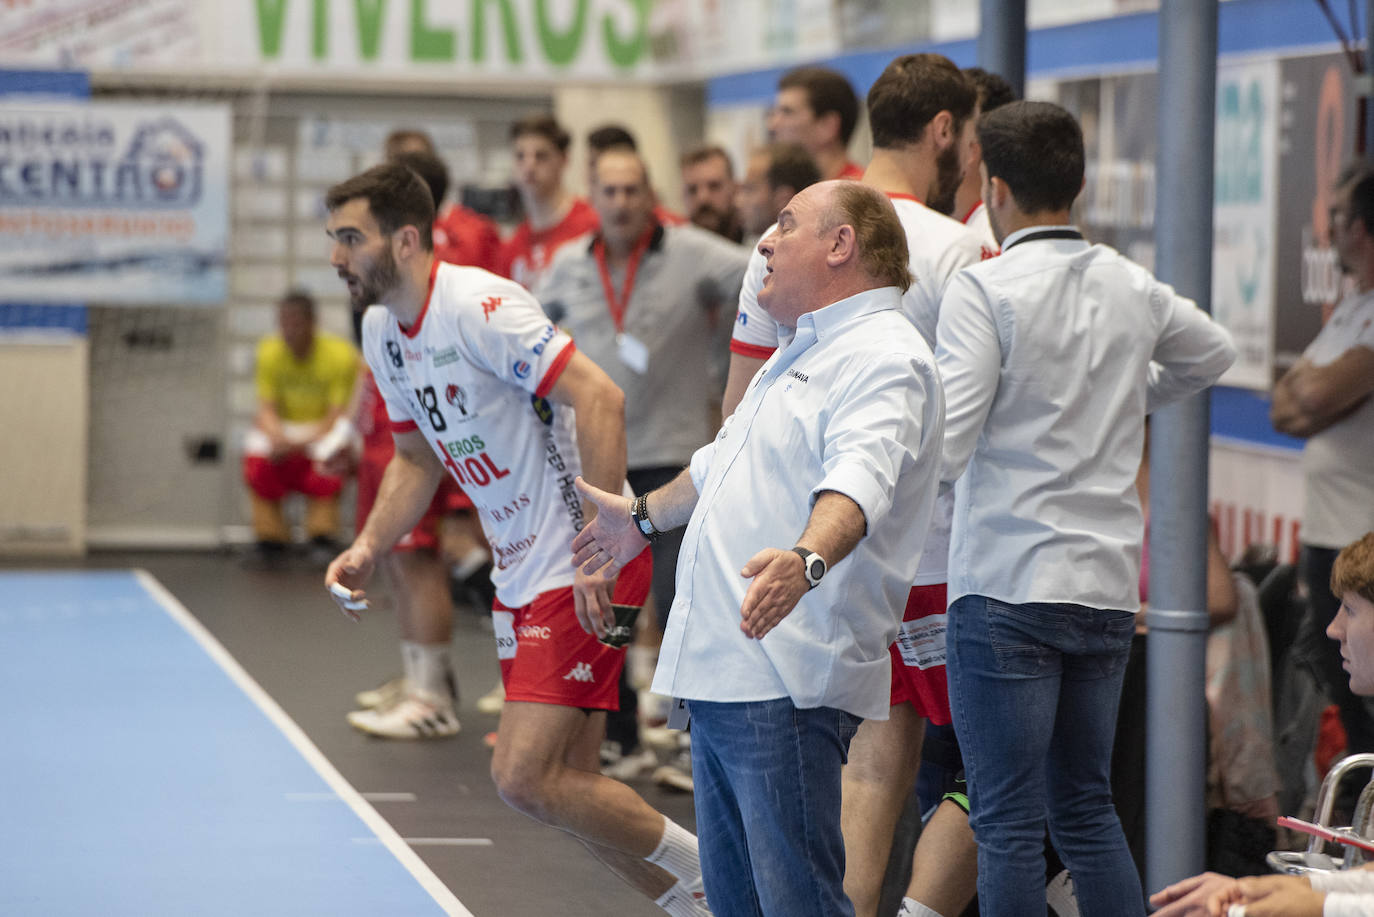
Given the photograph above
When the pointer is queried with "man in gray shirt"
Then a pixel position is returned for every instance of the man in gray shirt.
(641, 300)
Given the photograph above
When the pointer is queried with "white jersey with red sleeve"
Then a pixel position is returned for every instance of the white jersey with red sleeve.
(471, 375)
(978, 221)
(939, 248)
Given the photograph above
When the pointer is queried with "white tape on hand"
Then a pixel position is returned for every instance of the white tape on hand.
(1236, 910)
(345, 597)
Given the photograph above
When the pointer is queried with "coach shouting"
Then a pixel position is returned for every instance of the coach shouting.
(805, 521)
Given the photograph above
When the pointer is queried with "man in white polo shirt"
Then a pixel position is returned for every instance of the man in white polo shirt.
(831, 451)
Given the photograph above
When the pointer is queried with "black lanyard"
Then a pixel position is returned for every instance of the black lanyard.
(1044, 234)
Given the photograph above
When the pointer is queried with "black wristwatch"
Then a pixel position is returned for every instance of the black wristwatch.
(815, 565)
(639, 515)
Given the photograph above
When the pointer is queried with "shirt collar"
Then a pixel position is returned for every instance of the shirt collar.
(1010, 240)
(827, 319)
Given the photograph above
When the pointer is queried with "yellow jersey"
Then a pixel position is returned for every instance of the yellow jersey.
(305, 390)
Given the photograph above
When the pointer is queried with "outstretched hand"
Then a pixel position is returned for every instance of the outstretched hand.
(611, 540)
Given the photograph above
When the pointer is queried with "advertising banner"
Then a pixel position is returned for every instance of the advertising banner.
(113, 202)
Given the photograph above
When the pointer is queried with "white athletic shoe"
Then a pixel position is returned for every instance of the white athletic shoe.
(697, 889)
(628, 767)
(412, 718)
(387, 694)
(493, 700)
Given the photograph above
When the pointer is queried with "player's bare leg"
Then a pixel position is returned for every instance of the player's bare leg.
(944, 869)
(545, 765)
(883, 760)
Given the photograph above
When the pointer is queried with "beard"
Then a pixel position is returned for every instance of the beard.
(725, 223)
(948, 175)
(375, 282)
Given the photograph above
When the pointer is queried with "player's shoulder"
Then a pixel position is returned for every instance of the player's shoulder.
(945, 229)
(461, 287)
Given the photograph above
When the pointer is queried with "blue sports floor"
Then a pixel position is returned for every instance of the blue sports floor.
(145, 773)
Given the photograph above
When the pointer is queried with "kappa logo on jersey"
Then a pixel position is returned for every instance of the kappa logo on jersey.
(490, 305)
(522, 369)
(581, 671)
(989, 253)
(544, 340)
(455, 396)
(393, 350)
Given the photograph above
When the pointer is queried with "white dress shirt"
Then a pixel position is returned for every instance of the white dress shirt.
(1349, 893)
(851, 403)
(1051, 356)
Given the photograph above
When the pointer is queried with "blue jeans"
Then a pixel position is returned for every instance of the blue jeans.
(1034, 690)
(767, 779)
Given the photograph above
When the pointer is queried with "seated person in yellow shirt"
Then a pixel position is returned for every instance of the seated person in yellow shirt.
(304, 380)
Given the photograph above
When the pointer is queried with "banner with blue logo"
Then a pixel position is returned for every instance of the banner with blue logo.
(114, 202)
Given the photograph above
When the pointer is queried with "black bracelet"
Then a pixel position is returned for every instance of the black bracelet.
(639, 515)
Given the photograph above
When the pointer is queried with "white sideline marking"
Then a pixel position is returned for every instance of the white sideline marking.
(385, 834)
(370, 797)
(436, 841)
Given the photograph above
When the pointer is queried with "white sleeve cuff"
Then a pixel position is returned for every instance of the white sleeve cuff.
(855, 481)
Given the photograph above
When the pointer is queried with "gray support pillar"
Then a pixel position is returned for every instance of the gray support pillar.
(1002, 41)
(1176, 719)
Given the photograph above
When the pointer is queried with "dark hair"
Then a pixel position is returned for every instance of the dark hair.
(878, 232)
(396, 197)
(993, 91)
(1354, 567)
(610, 136)
(1360, 203)
(826, 90)
(544, 126)
(299, 299)
(1037, 149)
(400, 139)
(790, 166)
(430, 168)
(911, 91)
(707, 151)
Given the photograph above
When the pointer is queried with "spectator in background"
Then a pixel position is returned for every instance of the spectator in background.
(640, 299)
(993, 93)
(553, 215)
(776, 173)
(1324, 399)
(708, 192)
(1320, 893)
(1051, 356)
(461, 235)
(304, 379)
(615, 137)
(817, 108)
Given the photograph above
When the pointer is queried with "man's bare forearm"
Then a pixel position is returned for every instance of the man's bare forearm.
(405, 493)
(671, 506)
(835, 528)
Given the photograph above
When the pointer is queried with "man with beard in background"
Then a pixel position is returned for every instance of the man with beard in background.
(708, 192)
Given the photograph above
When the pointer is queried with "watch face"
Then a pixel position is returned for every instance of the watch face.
(817, 569)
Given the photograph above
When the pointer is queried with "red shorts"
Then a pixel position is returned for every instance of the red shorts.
(546, 656)
(295, 473)
(918, 655)
(425, 535)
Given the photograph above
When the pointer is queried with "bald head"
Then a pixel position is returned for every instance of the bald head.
(622, 197)
(833, 240)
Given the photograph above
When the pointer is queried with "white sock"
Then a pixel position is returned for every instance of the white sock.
(677, 853)
(913, 908)
(427, 668)
(679, 902)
